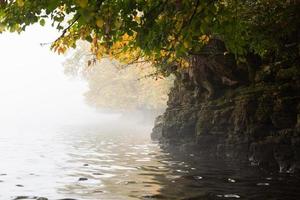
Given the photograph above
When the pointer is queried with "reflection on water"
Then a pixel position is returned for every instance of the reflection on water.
(93, 163)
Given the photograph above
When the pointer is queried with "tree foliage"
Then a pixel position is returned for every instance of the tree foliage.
(115, 88)
(162, 32)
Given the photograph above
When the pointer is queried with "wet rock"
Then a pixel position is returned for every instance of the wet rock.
(154, 196)
(284, 156)
(22, 197)
(259, 123)
(157, 130)
(98, 191)
(67, 199)
(284, 115)
(261, 154)
(29, 197)
(82, 179)
(287, 74)
(97, 173)
(19, 185)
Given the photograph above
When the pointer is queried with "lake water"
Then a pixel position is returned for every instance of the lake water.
(88, 162)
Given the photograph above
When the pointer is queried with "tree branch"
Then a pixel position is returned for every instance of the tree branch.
(63, 32)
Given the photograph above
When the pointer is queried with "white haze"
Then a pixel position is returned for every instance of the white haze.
(34, 92)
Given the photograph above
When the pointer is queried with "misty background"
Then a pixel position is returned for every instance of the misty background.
(33, 87)
(41, 89)
(49, 135)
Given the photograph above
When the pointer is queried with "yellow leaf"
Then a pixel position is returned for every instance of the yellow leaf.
(82, 3)
(185, 44)
(204, 39)
(20, 3)
(99, 23)
(184, 64)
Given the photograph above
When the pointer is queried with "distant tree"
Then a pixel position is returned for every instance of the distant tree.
(114, 87)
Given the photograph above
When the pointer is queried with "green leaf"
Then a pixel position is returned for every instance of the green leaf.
(42, 22)
(89, 38)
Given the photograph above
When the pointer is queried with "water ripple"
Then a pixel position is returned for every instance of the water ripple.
(89, 165)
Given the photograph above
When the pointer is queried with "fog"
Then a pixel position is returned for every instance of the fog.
(34, 92)
(48, 133)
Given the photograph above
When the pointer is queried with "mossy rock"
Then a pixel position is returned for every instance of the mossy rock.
(292, 73)
(264, 108)
(264, 75)
(203, 123)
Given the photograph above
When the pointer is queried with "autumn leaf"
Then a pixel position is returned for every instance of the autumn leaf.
(204, 39)
(20, 3)
(99, 23)
(186, 44)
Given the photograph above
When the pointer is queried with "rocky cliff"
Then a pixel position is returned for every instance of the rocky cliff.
(249, 112)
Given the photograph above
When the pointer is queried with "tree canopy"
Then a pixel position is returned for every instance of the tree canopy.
(162, 32)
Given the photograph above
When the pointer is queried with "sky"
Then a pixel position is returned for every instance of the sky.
(33, 88)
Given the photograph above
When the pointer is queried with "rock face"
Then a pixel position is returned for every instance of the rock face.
(251, 113)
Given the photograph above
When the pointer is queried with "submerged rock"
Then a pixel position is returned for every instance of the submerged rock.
(30, 197)
(82, 179)
(19, 185)
(24, 197)
(97, 173)
(67, 199)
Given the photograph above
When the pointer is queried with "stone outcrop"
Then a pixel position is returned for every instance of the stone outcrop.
(251, 113)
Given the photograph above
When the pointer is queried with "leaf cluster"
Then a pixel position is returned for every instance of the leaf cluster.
(162, 32)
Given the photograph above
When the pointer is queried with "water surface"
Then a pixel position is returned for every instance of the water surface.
(121, 163)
